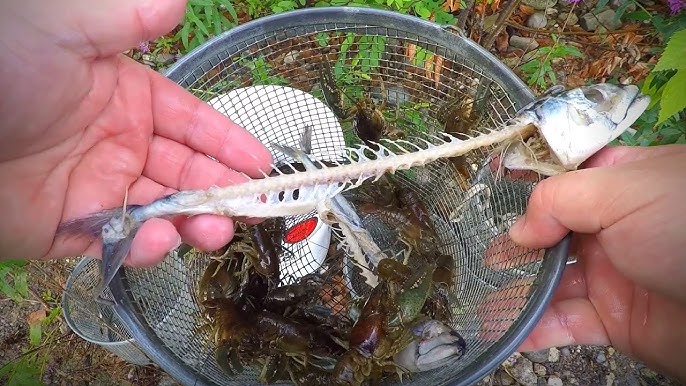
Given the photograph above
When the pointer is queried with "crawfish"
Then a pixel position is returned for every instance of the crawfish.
(383, 328)
(438, 304)
(233, 332)
(410, 227)
(267, 247)
(410, 200)
(282, 298)
(219, 280)
(294, 338)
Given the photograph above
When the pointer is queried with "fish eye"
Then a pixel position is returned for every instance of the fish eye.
(593, 95)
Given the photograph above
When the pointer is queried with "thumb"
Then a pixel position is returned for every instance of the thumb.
(590, 200)
(557, 205)
(106, 27)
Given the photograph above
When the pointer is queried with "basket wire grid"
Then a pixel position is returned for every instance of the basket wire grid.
(93, 321)
(385, 56)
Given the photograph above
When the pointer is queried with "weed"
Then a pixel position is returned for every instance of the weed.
(13, 280)
(27, 370)
(204, 19)
(539, 70)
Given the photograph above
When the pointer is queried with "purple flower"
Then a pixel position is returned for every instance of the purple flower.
(144, 47)
(676, 5)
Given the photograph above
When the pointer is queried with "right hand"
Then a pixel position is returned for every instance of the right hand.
(628, 287)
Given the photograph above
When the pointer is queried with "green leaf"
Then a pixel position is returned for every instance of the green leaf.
(673, 97)
(601, 4)
(422, 11)
(35, 333)
(638, 15)
(673, 57)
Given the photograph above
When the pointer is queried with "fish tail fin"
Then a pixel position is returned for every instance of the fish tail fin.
(116, 227)
(113, 256)
(92, 224)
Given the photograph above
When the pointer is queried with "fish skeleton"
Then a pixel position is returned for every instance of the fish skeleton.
(606, 108)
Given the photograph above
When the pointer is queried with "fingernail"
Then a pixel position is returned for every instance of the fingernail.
(517, 227)
(178, 243)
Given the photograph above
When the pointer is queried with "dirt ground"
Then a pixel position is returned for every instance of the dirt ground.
(71, 360)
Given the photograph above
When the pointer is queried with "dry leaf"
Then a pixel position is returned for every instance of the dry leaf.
(438, 67)
(36, 316)
(526, 10)
(451, 5)
(502, 42)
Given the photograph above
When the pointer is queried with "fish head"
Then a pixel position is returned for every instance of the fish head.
(573, 125)
(435, 345)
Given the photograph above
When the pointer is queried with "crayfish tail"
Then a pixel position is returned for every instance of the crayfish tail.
(92, 224)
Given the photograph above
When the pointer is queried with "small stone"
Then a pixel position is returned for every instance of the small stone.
(504, 378)
(600, 358)
(523, 372)
(610, 351)
(609, 379)
(523, 42)
(648, 373)
(537, 20)
(541, 382)
(290, 57)
(613, 365)
(166, 380)
(589, 22)
(592, 21)
(629, 379)
(537, 356)
(165, 58)
(540, 370)
(565, 352)
(551, 12)
(554, 380)
(630, 7)
(569, 18)
(540, 4)
(573, 381)
(609, 20)
(553, 355)
(512, 359)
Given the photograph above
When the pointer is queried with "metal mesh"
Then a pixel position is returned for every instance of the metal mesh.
(471, 209)
(93, 321)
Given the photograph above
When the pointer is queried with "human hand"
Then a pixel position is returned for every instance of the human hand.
(81, 123)
(628, 287)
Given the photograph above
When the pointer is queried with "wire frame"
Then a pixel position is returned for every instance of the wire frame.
(428, 81)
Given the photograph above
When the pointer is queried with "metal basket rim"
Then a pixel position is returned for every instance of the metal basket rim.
(553, 262)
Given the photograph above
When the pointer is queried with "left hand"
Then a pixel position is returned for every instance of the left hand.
(81, 123)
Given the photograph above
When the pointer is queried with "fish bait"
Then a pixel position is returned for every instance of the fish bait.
(551, 135)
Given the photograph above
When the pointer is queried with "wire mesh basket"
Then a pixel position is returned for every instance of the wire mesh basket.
(96, 322)
(428, 79)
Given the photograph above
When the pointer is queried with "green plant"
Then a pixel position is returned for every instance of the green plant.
(664, 122)
(286, 5)
(27, 370)
(667, 80)
(13, 279)
(204, 19)
(425, 9)
(261, 72)
(539, 70)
